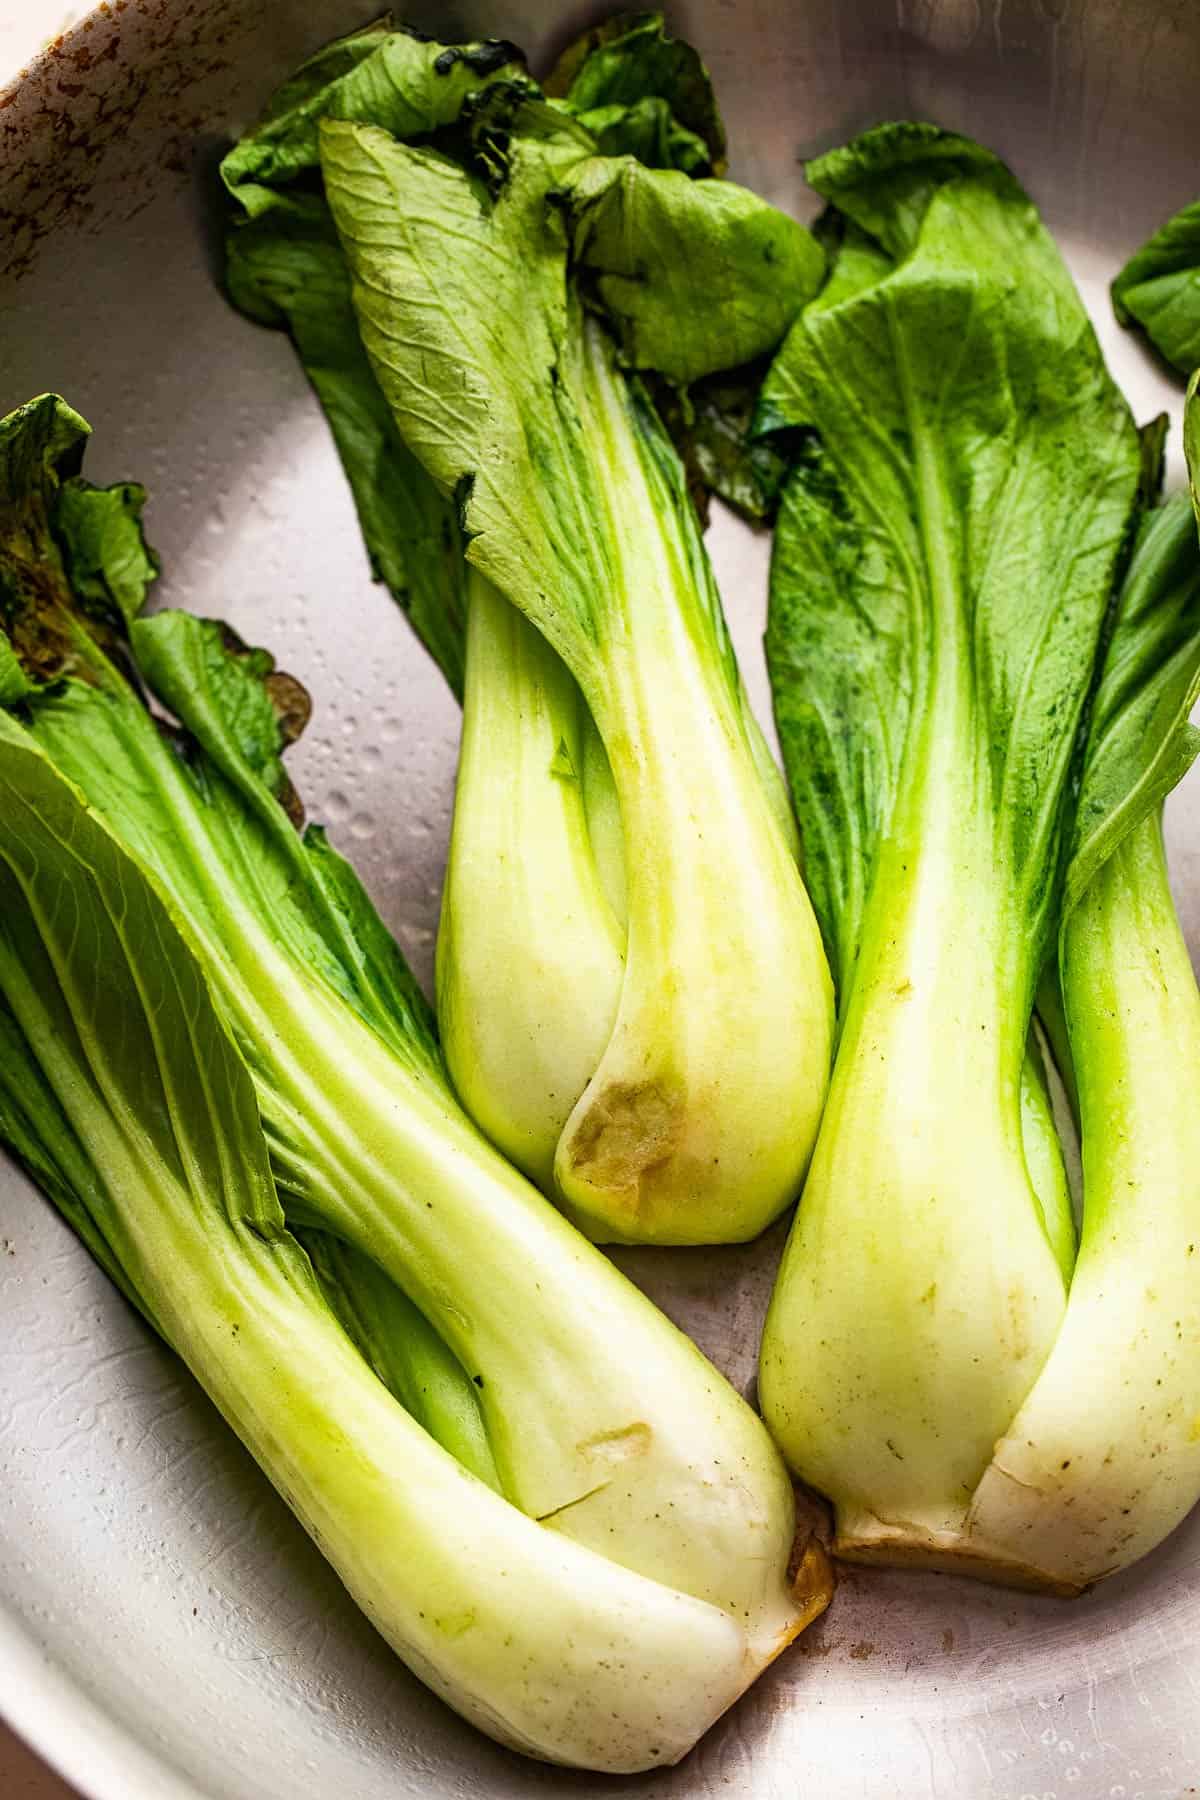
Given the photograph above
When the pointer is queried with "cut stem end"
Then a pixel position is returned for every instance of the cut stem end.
(947, 1553)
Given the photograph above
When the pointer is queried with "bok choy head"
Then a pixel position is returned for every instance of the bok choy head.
(962, 490)
(540, 1368)
(114, 1059)
(697, 1121)
(593, 1064)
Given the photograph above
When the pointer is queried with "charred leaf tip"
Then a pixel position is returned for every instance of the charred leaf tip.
(483, 58)
(232, 642)
(291, 703)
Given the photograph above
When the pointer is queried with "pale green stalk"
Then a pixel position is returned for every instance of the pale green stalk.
(1103, 1459)
(599, 1416)
(549, 1646)
(530, 952)
(698, 1116)
(919, 1293)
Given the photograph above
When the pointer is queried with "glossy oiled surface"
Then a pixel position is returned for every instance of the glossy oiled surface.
(166, 1632)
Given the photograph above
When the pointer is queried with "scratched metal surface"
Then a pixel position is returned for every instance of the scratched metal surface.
(166, 1632)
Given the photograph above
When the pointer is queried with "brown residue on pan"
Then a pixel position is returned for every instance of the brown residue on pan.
(69, 113)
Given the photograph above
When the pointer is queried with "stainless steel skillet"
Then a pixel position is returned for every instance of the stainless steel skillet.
(166, 1633)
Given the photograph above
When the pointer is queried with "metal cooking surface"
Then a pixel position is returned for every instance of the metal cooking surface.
(165, 1629)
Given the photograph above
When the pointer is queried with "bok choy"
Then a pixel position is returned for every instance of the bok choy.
(116, 1074)
(964, 482)
(632, 994)
(631, 1485)
(1102, 1459)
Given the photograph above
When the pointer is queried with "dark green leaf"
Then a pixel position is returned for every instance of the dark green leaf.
(1191, 438)
(394, 1337)
(1159, 289)
(695, 276)
(114, 1009)
(233, 701)
(960, 502)
(649, 131)
(207, 811)
(479, 375)
(746, 468)
(630, 59)
(399, 1010)
(108, 562)
(36, 1130)
(285, 268)
(412, 86)
(1153, 439)
(1140, 743)
(41, 446)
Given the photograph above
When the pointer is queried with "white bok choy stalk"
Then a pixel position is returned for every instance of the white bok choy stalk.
(551, 1377)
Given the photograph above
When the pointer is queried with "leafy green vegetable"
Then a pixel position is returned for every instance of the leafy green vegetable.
(643, 93)
(549, 1646)
(747, 470)
(962, 490)
(1102, 1459)
(698, 1118)
(285, 269)
(1140, 743)
(526, 1012)
(651, 240)
(1191, 438)
(1159, 289)
(594, 1415)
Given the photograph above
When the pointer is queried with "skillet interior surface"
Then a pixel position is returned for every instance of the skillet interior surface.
(166, 1631)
